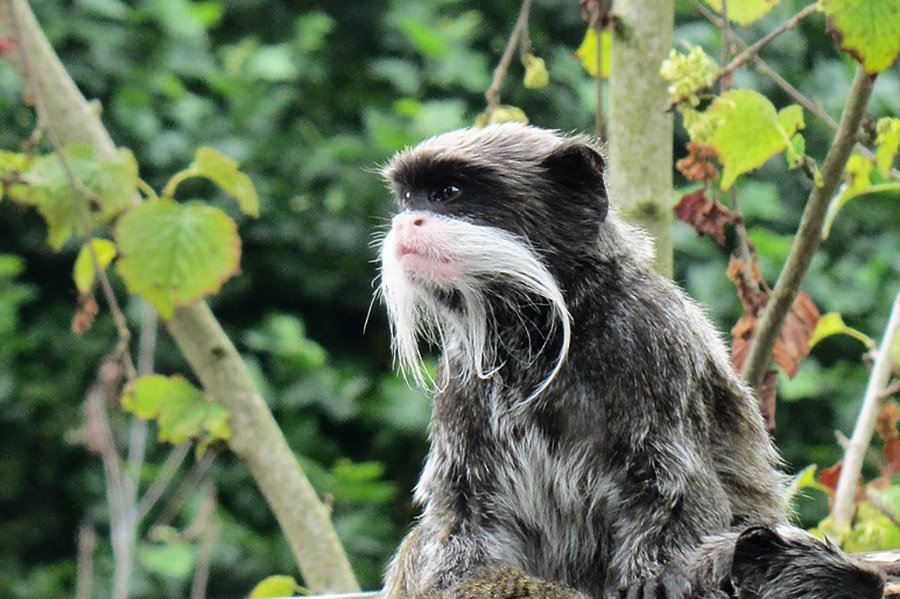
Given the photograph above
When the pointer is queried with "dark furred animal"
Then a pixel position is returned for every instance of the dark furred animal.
(589, 436)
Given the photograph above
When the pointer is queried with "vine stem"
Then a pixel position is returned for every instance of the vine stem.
(492, 95)
(809, 232)
(848, 481)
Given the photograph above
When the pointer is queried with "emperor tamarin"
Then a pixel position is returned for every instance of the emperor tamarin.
(589, 437)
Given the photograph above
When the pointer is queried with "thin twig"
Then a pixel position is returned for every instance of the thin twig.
(754, 48)
(87, 545)
(163, 479)
(891, 389)
(724, 82)
(848, 480)
(188, 484)
(492, 95)
(208, 534)
(599, 118)
(808, 233)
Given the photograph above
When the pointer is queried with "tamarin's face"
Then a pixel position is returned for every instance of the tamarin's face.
(486, 216)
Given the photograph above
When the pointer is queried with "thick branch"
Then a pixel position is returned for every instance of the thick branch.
(256, 438)
(808, 234)
(848, 480)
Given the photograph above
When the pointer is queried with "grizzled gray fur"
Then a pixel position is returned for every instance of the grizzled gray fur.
(588, 428)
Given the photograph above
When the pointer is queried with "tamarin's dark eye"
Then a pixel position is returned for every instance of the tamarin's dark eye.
(446, 193)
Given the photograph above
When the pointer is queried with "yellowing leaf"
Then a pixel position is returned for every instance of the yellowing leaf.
(587, 52)
(181, 410)
(869, 30)
(805, 479)
(748, 131)
(83, 272)
(111, 182)
(744, 12)
(274, 586)
(833, 324)
(536, 75)
(503, 113)
(222, 171)
(886, 143)
(174, 254)
(857, 182)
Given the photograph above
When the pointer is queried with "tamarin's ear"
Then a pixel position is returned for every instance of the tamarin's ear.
(578, 169)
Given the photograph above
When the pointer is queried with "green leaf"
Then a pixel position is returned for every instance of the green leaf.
(744, 12)
(805, 479)
(84, 273)
(869, 30)
(279, 585)
(175, 254)
(172, 560)
(222, 171)
(748, 131)
(857, 182)
(181, 410)
(536, 75)
(887, 142)
(796, 150)
(587, 52)
(112, 184)
(833, 324)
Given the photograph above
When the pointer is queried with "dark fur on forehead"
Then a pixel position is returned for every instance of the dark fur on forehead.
(510, 168)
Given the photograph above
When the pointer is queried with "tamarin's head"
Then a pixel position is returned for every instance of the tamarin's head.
(489, 219)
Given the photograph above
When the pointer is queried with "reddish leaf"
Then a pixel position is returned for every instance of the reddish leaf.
(792, 345)
(85, 314)
(891, 452)
(829, 476)
(708, 217)
(767, 400)
(886, 424)
(699, 164)
(793, 341)
(7, 45)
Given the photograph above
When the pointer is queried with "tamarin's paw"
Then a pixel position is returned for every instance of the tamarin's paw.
(667, 586)
(509, 583)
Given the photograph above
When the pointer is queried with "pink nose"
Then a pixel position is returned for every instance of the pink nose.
(410, 220)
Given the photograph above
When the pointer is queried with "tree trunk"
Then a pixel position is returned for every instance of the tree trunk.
(640, 131)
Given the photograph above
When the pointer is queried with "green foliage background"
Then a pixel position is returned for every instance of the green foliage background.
(310, 97)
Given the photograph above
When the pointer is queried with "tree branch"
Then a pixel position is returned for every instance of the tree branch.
(848, 480)
(754, 48)
(808, 234)
(492, 95)
(256, 438)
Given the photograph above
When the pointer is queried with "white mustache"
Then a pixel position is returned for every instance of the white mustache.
(479, 256)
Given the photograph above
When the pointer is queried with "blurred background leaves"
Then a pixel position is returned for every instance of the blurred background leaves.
(310, 98)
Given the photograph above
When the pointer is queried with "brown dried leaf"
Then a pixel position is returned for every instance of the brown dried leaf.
(792, 345)
(700, 163)
(793, 341)
(708, 217)
(85, 313)
(828, 477)
(767, 400)
(891, 451)
(888, 417)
